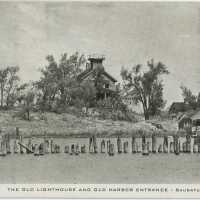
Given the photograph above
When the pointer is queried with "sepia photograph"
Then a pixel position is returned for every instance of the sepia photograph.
(99, 92)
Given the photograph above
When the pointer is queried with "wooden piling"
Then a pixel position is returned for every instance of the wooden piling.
(41, 149)
(188, 143)
(119, 145)
(108, 146)
(160, 148)
(36, 152)
(52, 148)
(21, 141)
(184, 147)
(145, 151)
(103, 146)
(83, 149)
(165, 144)
(29, 145)
(95, 144)
(111, 152)
(91, 144)
(77, 149)
(72, 149)
(126, 147)
(7, 141)
(66, 149)
(176, 145)
(15, 147)
(195, 148)
(154, 143)
(171, 147)
(134, 148)
(143, 142)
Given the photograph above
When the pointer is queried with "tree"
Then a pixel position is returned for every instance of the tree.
(8, 83)
(26, 99)
(146, 86)
(11, 86)
(59, 78)
(198, 100)
(3, 80)
(86, 92)
(99, 81)
(189, 98)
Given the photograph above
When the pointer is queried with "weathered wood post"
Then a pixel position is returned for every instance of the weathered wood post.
(191, 144)
(77, 149)
(143, 142)
(184, 147)
(3, 151)
(21, 141)
(119, 145)
(52, 146)
(72, 149)
(126, 147)
(95, 144)
(66, 149)
(15, 147)
(83, 149)
(90, 144)
(111, 153)
(198, 142)
(108, 146)
(195, 148)
(36, 152)
(7, 143)
(134, 150)
(17, 133)
(41, 149)
(165, 144)
(160, 148)
(176, 145)
(171, 147)
(188, 143)
(154, 143)
(103, 146)
(29, 145)
(145, 151)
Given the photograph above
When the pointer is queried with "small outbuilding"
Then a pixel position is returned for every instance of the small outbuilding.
(196, 120)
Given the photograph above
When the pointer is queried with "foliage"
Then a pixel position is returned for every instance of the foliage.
(87, 93)
(146, 87)
(189, 98)
(99, 81)
(58, 80)
(26, 100)
(8, 85)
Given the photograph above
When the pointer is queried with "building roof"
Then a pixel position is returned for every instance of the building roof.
(196, 116)
(87, 72)
(178, 107)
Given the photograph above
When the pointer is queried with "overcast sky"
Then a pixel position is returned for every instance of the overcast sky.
(126, 33)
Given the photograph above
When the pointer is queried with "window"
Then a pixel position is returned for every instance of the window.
(107, 85)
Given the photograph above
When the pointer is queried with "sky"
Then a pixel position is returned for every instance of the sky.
(127, 33)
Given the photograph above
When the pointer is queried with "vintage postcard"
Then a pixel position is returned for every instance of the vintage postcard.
(99, 99)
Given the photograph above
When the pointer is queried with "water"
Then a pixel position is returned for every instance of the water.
(99, 168)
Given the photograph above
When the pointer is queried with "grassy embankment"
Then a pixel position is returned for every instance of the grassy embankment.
(67, 125)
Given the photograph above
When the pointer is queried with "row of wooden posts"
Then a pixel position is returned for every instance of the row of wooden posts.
(169, 145)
